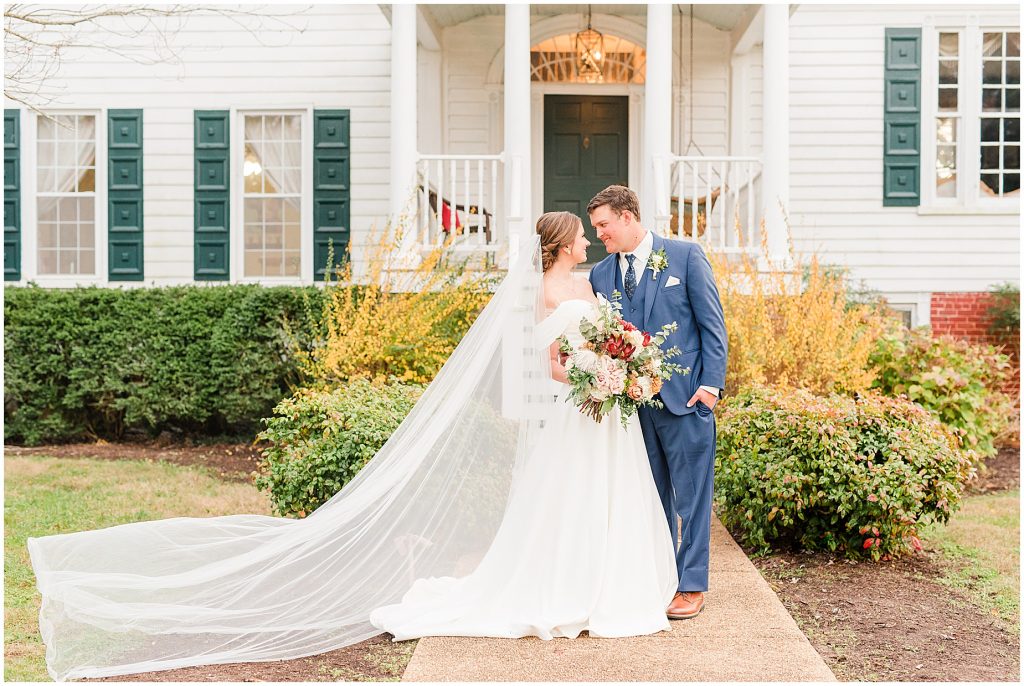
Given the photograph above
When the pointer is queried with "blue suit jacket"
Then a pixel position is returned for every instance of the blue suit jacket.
(693, 304)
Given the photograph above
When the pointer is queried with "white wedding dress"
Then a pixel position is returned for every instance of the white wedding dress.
(582, 546)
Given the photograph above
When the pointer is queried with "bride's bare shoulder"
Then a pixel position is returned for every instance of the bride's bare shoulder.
(583, 288)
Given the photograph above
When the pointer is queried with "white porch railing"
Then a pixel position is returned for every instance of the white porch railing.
(716, 200)
(458, 194)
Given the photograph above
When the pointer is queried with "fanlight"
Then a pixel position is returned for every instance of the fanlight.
(587, 57)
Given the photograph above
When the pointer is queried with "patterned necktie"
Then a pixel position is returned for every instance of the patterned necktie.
(630, 280)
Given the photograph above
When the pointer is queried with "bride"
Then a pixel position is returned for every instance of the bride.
(495, 509)
(583, 544)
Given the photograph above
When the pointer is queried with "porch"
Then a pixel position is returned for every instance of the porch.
(526, 109)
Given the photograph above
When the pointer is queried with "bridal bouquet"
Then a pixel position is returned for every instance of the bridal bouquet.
(617, 364)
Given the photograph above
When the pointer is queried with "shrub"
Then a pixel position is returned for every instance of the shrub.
(319, 440)
(958, 382)
(795, 328)
(393, 322)
(859, 475)
(857, 291)
(97, 362)
(1004, 314)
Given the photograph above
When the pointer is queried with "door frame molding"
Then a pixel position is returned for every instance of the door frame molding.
(635, 93)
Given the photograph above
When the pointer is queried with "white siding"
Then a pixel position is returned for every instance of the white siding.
(836, 89)
(325, 56)
(747, 97)
(472, 119)
(710, 88)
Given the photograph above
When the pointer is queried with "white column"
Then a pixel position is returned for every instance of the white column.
(517, 121)
(657, 133)
(403, 108)
(775, 171)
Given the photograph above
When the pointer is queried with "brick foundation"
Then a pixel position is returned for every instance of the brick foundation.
(965, 316)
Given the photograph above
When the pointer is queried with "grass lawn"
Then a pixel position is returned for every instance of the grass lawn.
(983, 539)
(46, 495)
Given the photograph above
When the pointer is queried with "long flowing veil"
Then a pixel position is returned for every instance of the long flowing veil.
(249, 588)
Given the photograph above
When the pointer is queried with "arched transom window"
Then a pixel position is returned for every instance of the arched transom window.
(560, 60)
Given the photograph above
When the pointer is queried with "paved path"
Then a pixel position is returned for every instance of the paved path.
(743, 634)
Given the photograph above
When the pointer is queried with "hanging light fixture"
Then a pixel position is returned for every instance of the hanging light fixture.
(590, 53)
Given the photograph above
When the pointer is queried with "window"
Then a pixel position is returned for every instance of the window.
(947, 124)
(66, 194)
(975, 124)
(557, 60)
(904, 313)
(1000, 113)
(272, 195)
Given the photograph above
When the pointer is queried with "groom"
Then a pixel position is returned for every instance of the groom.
(664, 281)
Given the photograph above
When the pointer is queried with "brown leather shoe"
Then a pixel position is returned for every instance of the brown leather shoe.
(685, 605)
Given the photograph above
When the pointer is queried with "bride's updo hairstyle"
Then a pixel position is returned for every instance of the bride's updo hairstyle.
(556, 230)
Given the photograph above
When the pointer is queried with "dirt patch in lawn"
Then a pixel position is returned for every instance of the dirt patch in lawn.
(891, 621)
(231, 461)
(1002, 472)
(376, 659)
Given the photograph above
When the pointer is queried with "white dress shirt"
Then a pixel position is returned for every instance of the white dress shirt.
(643, 254)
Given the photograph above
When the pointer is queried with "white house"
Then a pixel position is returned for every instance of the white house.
(888, 137)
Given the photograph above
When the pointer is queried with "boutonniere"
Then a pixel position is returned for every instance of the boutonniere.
(656, 262)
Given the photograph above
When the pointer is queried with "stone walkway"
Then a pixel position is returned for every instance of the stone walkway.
(743, 634)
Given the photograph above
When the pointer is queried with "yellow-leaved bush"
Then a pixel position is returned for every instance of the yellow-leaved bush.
(794, 327)
(394, 319)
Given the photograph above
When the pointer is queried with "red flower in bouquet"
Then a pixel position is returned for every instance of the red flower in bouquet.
(619, 348)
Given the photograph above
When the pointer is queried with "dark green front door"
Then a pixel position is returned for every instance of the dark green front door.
(586, 148)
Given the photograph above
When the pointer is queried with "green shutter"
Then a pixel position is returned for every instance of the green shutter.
(901, 177)
(331, 188)
(124, 195)
(12, 195)
(212, 196)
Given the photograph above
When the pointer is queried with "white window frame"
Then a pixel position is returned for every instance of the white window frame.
(968, 199)
(30, 202)
(237, 191)
(918, 304)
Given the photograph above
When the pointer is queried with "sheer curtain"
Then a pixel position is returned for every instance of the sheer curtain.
(281, 160)
(247, 588)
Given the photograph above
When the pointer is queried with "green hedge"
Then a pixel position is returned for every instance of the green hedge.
(97, 362)
(857, 475)
(319, 440)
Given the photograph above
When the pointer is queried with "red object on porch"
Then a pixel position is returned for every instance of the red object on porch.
(446, 218)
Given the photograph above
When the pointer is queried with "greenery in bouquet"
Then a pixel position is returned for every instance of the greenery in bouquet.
(617, 364)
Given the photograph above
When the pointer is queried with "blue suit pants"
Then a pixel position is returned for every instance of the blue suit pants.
(682, 454)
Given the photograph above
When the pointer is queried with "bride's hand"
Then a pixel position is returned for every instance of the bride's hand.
(558, 358)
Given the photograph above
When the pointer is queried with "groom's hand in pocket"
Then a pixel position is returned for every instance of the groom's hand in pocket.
(706, 397)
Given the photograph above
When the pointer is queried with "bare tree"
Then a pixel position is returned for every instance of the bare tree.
(38, 39)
